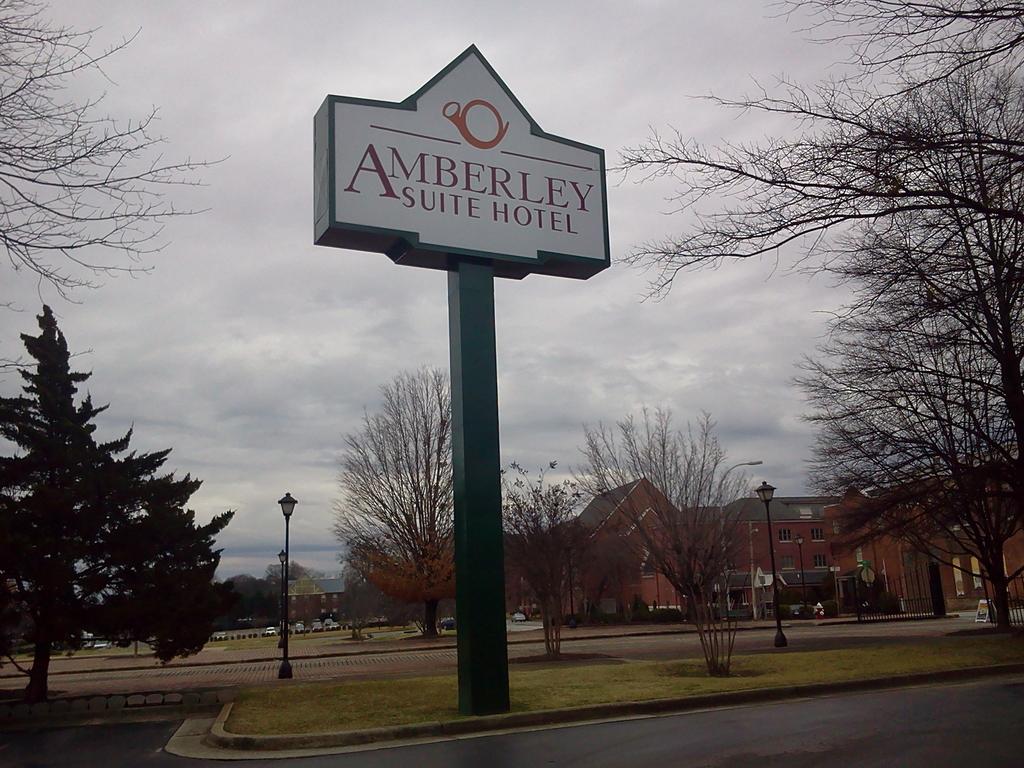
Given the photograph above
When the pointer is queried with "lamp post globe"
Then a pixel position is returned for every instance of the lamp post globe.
(287, 505)
(287, 508)
(766, 493)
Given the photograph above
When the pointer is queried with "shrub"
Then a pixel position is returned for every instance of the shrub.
(661, 615)
(831, 609)
(640, 611)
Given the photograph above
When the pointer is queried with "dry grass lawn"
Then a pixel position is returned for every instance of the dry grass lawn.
(319, 707)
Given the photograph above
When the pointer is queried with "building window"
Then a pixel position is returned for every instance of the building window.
(976, 572)
(785, 534)
(817, 534)
(819, 561)
(787, 562)
(958, 577)
(647, 565)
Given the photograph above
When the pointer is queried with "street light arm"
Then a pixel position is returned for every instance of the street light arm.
(721, 482)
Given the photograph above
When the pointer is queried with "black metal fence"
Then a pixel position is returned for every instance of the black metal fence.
(915, 595)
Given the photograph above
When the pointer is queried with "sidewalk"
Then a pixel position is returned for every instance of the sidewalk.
(214, 655)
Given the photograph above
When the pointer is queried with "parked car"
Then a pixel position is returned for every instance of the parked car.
(102, 645)
(316, 626)
(330, 625)
(298, 628)
(518, 616)
(270, 632)
(220, 635)
(447, 623)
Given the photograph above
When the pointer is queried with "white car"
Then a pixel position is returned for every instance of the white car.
(316, 626)
(518, 616)
(270, 632)
(299, 628)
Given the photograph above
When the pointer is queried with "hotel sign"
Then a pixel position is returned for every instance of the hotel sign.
(458, 169)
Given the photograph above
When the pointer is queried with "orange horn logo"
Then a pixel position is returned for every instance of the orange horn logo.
(459, 114)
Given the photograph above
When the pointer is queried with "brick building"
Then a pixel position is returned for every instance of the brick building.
(617, 572)
(901, 568)
(804, 556)
(310, 599)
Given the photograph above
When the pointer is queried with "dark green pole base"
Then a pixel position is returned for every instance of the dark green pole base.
(479, 547)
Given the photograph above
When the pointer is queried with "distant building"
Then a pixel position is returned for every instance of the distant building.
(814, 556)
(618, 571)
(310, 599)
(902, 569)
(800, 565)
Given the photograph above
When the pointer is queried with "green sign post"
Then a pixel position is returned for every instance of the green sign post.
(459, 177)
(479, 550)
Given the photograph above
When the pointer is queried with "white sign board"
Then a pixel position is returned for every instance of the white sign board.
(459, 169)
(982, 615)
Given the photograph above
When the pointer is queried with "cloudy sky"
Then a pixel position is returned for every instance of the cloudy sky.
(251, 352)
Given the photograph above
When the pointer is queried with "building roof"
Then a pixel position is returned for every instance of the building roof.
(601, 506)
(308, 586)
(783, 508)
(811, 578)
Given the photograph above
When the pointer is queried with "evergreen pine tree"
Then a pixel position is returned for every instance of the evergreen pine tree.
(94, 537)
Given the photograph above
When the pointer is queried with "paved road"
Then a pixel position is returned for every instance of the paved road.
(976, 724)
(180, 677)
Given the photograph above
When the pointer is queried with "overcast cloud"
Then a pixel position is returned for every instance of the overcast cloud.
(251, 352)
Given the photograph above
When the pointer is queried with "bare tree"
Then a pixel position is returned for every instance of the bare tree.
(683, 523)
(395, 515)
(918, 394)
(296, 572)
(922, 40)
(74, 183)
(542, 537)
(852, 160)
(361, 603)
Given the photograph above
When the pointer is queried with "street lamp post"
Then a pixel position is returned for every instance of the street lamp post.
(721, 520)
(803, 584)
(568, 558)
(765, 493)
(287, 507)
(282, 624)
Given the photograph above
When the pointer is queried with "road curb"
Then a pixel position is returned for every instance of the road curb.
(220, 737)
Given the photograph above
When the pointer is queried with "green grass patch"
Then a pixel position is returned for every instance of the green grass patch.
(319, 707)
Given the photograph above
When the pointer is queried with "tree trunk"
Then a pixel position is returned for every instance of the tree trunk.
(1001, 598)
(36, 690)
(995, 574)
(430, 618)
(552, 618)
